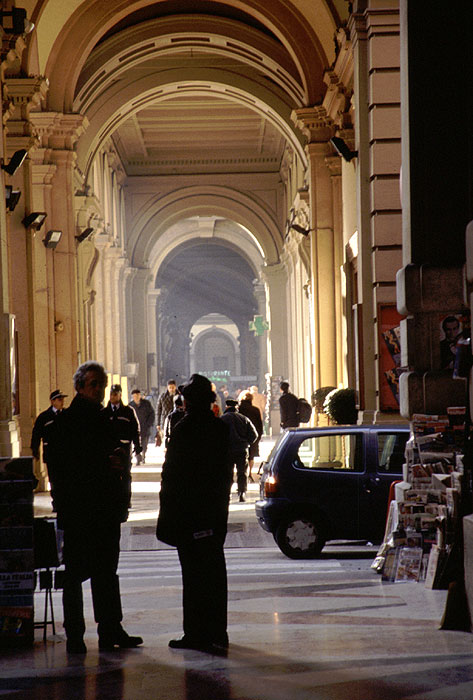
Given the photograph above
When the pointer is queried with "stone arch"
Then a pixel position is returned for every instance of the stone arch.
(80, 26)
(124, 99)
(200, 337)
(161, 213)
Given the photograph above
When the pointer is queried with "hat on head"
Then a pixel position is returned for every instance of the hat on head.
(116, 388)
(231, 402)
(56, 394)
(198, 390)
(136, 391)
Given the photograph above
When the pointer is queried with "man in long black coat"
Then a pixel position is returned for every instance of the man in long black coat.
(44, 423)
(195, 490)
(90, 499)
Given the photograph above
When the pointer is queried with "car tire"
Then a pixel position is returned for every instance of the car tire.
(300, 537)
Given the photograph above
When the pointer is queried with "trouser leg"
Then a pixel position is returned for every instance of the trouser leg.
(204, 596)
(241, 466)
(104, 580)
(73, 607)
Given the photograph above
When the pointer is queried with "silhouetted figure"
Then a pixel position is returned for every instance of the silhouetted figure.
(242, 434)
(195, 489)
(44, 424)
(288, 407)
(145, 414)
(253, 413)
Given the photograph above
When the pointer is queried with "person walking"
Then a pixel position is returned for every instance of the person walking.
(259, 400)
(87, 490)
(288, 407)
(125, 431)
(165, 406)
(195, 488)
(242, 434)
(44, 424)
(173, 418)
(246, 408)
(145, 414)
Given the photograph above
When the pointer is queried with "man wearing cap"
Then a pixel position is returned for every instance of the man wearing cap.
(43, 424)
(145, 415)
(195, 490)
(125, 430)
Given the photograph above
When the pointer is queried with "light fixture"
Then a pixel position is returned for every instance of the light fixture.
(52, 238)
(85, 234)
(34, 220)
(15, 21)
(15, 162)
(11, 197)
(343, 149)
(291, 225)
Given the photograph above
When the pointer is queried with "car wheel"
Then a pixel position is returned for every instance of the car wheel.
(300, 537)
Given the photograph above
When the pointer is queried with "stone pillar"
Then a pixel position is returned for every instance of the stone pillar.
(437, 208)
(277, 346)
(139, 319)
(319, 128)
(260, 296)
(153, 300)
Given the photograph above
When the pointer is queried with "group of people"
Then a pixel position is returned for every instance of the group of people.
(88, 451)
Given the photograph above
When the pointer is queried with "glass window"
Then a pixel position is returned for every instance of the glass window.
(391, 451)
(343, 451)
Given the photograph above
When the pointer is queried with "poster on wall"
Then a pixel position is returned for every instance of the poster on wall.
(389, 343)
(453, 328)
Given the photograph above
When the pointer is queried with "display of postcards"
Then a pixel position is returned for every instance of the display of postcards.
(457, 480)
(16, 560)
(16, 626)
(414, 539)
(422, 483)
(410, 508)
(413, 520)
(436, 509)
(16, 492)
(16, 468)
(16, 581)
(453, 502)
(14, 514)
(16, 537)
(409, 561)
(390, 564)
(441, 481)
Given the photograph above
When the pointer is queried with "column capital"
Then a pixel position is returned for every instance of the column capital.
(315, 123)
(334, 165)
(12, 47)
(58, 131)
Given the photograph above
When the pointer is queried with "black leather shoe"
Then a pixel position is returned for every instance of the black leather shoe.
(242, 498)
(76, 646)
(121, 640)
(186, 643)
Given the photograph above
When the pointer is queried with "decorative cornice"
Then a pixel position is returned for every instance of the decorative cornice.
(314, 122)
(58, 131)
(334, 165)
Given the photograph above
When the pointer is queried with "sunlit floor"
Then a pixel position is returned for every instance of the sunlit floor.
(327, 629)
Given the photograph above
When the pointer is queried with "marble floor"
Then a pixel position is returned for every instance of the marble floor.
(327, 629)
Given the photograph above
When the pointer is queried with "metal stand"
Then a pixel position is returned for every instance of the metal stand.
(46, 584)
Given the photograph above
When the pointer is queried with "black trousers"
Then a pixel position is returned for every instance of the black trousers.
(204, 595)
(241, 463)
(91, 551)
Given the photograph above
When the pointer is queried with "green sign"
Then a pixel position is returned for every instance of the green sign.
(258, 325)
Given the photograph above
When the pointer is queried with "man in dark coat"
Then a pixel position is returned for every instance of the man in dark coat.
(246, 408)
(44, 423)
(242, 435)
(195, 489)
(125, 430)
(145, 414)
(288, 407)
(164, 407)
(87, 489)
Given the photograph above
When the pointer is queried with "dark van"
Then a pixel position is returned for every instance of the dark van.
(322, 484)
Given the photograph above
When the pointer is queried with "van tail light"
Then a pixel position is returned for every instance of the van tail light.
(271, 487)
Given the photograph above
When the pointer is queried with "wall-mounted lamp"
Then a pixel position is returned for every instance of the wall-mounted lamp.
(34, 220)
(15, 162)
(52, 238)
(11, 197)
(85, 234)
(343, 149)
(15, 21)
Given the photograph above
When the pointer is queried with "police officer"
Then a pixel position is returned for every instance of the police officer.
(125, 431)
(43, 424)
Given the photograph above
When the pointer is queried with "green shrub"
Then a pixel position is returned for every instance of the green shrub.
(319, 396)
(340, 406)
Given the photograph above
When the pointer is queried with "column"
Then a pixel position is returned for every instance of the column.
(260, 296)
(277, 342)
(139, 319)
(437, 208)
(153, 300)
(319, 128)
